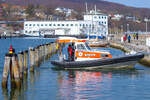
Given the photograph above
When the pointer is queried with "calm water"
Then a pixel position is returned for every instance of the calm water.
(49, 84)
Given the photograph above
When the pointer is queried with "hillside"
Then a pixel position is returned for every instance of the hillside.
(107, 7)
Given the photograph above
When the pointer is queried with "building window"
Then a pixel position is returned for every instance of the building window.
(26, 31)
(99, 17)
(80, 24)
(50, 24)
(26, 24)
(76, 24)
(71, 25)
(58, 24)
(95, 17)
(45, 24)
(62, 24)
(54, 24)
(105, 17)
(102, 17)
(67, 24)
(38, 25)
(30, 24)
(33, 24)
(105, 22)
(41, 24)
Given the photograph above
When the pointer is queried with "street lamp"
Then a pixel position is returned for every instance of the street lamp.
(122, 29)
(127, 28)
(146, 20)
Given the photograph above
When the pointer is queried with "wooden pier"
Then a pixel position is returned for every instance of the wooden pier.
(17, 64)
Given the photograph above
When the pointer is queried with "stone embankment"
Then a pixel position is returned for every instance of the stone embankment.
(134, 46)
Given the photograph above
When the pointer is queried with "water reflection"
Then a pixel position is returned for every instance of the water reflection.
(84, 85)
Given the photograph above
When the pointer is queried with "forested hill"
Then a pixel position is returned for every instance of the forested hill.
(107, 7)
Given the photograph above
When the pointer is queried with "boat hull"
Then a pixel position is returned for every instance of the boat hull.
(116, 62)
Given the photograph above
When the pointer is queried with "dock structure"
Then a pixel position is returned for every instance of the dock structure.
(17, 64)
(6, 70)
(21, 64)
(136, 45)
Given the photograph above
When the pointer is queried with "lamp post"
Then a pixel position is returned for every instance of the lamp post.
(122, 29)
(127, 28)
(146, 20)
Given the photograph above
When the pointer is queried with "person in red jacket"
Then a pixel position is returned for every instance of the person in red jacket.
(69, 52)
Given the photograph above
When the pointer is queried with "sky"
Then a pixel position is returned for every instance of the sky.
(134, 3)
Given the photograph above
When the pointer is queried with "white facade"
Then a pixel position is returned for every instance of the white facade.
(93, 23)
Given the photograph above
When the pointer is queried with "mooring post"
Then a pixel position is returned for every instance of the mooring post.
(6, 70)
(32, 59)
(41, 53)
(46, 51)
(49, 50)
(36, 56)
(25, 53)
(15, 68)
(21, 64)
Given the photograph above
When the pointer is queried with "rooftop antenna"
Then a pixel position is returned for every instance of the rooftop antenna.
(86, 8)
(95, 9)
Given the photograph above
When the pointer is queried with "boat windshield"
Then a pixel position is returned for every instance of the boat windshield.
(87, 46)
(81, 47)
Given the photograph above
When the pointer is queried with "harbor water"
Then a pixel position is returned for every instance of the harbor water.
(49, 84)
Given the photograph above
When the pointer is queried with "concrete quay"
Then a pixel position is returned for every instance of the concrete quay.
(134, 46)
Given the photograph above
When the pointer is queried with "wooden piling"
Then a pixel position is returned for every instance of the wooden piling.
(32, 59)
(46, 51)
(36, 56)
(15, 69)
(25, 53)
(21, 64)
(42, 53)
(6, 70)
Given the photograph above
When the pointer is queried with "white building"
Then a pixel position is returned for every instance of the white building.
(94, 23)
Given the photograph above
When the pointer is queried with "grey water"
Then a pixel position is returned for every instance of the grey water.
(48, 84)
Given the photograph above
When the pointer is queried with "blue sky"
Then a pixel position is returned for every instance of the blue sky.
(134, 3)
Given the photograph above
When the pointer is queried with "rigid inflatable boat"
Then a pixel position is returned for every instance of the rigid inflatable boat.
(87, 58)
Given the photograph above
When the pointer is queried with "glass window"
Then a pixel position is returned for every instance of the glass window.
(45, 24)
(54, 24)
(99, 17)
(26, 31)
(76, 24)
(80, 24)
(71, 25)
(50, 24)
(81, 47)
(33, 24)
(58, 24)
(30, 24)
(104, 55)
(38, 25)
(87, 46)
(102, 17)
(26, 24)
(41, 24)
(67, 24)
(62, 24)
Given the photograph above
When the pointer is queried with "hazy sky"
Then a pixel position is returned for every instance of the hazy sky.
(135, 3)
